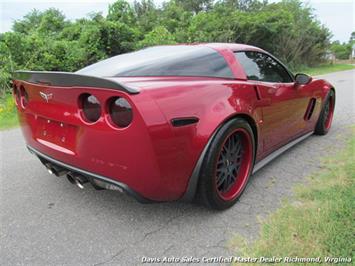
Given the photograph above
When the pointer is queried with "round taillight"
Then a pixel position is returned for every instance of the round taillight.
(120, 112)
(91, 107)
(24, 97)
(17, 95)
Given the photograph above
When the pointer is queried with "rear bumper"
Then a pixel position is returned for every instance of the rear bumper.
(150, 156)
(125, 188)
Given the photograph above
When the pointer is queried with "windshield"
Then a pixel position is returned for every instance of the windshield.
(180, 60)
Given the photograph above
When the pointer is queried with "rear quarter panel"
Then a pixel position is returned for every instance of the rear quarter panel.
(213, 102)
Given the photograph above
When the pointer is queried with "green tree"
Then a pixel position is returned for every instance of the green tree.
(209, 27)
(304, 40)
(195, 6)
(146, 15)
(158, 35)
(352, 37)
(245, 5)
(29, 23)
(341, 50)
(176, 20)
(49, 22)
(121, 11)
(7, 65)
(52, 22)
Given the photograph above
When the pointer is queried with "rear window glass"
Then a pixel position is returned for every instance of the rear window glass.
(178, 60)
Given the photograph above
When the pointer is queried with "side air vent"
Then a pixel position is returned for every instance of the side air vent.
(310, 109)
(184, 121)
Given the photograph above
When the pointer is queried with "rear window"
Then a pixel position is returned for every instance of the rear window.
(181, 60)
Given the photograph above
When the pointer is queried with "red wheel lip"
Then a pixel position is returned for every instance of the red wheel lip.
(244, 171)
(329, 118)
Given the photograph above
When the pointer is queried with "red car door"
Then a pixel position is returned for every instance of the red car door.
(283, 105)
(283, 118)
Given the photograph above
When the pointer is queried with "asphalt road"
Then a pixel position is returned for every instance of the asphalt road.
(47, 221)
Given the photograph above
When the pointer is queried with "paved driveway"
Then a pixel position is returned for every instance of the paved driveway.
(48, 221)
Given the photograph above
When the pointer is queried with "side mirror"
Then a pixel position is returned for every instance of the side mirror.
(302, 79)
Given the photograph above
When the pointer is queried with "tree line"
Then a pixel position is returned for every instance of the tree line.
(47, 40)
(343, 50)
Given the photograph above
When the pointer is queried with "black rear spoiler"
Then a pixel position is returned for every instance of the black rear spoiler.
(68, 79)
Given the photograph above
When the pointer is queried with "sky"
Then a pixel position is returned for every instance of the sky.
(337, 15)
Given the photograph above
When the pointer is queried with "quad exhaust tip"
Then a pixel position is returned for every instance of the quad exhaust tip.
(50, 171)
(76, 179)
(55, 170)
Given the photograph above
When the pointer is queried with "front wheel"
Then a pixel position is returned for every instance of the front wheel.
(227, 165)
(326, 116)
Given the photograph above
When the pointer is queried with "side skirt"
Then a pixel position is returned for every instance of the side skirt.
(278, 152)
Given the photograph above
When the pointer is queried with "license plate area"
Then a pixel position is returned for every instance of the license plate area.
(57, 135)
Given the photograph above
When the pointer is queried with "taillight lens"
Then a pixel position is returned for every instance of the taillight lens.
(91, 107)
(24, 97)
(120, 112)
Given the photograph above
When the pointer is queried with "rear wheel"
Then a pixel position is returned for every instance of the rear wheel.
(326, 116)
(227, 165)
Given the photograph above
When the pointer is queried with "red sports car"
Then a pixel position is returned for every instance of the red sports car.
(171, 122)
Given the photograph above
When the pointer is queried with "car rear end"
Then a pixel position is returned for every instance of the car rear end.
(129, 122)
(94, 134)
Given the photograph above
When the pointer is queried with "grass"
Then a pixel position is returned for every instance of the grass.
(8, 115)
(320, 222)
(324, 69)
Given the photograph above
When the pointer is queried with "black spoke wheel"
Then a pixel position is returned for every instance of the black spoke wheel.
(326, 116)
(227, 165)
(328, 112)
(229, 162)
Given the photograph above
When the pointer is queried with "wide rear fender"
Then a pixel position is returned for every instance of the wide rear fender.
(212, 105)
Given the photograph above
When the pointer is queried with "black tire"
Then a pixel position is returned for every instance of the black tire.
(240, 164)
(326, 115)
